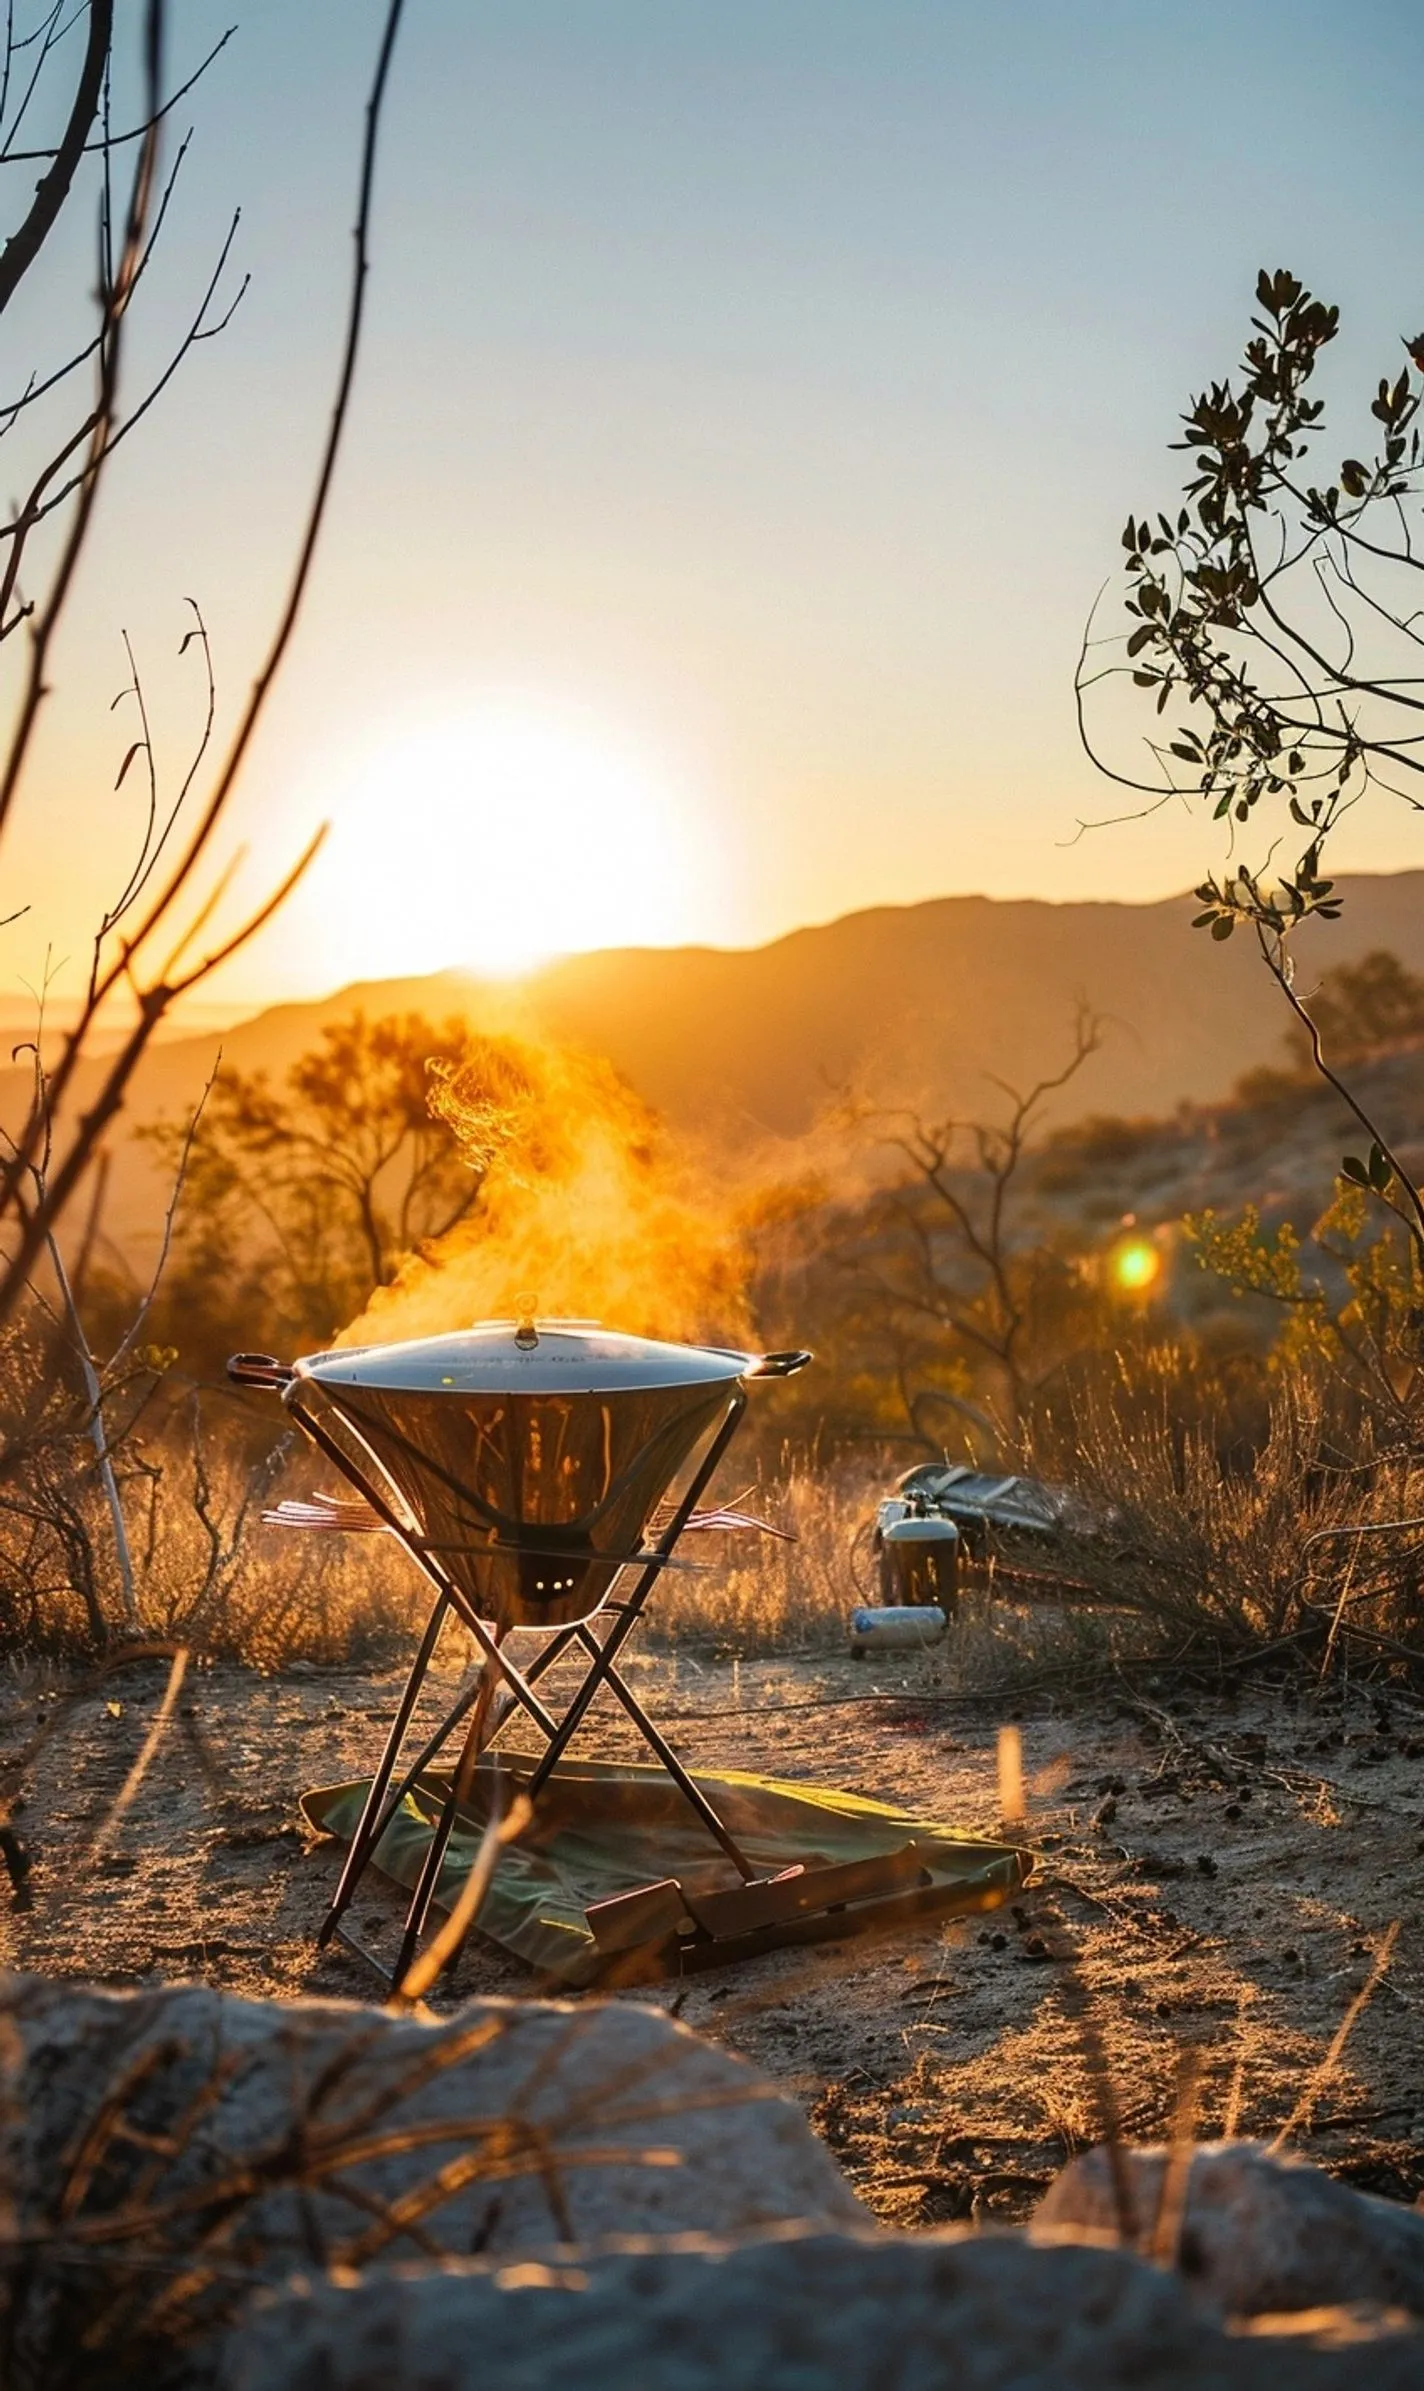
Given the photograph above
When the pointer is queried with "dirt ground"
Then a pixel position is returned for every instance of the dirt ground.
(1214, 1872)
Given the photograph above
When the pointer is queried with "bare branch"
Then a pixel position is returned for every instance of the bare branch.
(52, 189)
(156, 998)
(114, 300)
(112, 141)
(170, 1215)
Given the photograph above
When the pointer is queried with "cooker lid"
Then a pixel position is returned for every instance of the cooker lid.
(541, 1357)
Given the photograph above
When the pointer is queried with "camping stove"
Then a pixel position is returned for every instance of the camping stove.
(527, 1468)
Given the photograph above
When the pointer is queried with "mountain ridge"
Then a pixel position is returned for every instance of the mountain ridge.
(925, 1005)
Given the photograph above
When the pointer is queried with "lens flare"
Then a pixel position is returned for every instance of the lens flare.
(1136, 1266)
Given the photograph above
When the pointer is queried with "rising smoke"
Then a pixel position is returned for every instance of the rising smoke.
(587, 1210)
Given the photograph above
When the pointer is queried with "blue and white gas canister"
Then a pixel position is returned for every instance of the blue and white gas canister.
(895, 1627)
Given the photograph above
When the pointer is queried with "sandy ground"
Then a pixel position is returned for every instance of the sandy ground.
(1215, 1873)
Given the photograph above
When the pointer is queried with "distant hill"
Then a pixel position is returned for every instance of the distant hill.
(922, 1003)
(916, 1004)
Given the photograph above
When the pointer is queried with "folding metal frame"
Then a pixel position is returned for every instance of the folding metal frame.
(490, 1716)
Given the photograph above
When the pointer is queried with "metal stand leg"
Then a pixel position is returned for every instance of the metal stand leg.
(380, 1805)
(541, 1662)
(459, 1793)
(368, 1834)
(685, 1784)
(608, 1652)
(519, 1685)
(438, 1576)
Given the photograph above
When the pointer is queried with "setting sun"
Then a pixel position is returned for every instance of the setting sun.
(503, 835)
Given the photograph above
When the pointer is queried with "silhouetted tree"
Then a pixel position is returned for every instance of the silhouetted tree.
(969, 1308)
(303, 1195)
(1276, 627)
(1362, 1009)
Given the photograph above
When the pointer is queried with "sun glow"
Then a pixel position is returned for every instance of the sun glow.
(1136, 1266)
(502, 836)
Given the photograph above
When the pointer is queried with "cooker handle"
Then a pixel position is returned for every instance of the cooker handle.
(780, 1365)
(259, 1369)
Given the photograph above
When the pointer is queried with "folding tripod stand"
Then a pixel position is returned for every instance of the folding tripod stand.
(358, 1463)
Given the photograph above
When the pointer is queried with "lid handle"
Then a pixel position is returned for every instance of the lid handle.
(780, 1365)
(259, 1369)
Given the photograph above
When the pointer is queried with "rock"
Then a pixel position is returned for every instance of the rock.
(793, 2312)
(174, 2161)
(145, 2127)
(1258, 2233)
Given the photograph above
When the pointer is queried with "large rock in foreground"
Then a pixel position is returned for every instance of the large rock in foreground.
(148, 2130)
(923, 2312)
(1254, 2232)
(204, 2191)
(513, 2125)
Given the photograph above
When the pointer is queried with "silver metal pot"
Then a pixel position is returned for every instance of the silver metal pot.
(526, 1456)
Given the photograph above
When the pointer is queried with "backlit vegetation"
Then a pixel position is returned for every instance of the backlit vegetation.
(1253, 1389)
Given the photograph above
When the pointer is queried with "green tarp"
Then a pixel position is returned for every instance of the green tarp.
(601, 1829)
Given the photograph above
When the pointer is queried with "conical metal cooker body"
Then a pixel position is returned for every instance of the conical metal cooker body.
(529, 1463)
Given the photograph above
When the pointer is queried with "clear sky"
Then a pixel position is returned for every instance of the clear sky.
(754, 394)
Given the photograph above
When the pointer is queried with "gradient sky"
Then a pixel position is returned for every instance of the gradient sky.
(754, 393)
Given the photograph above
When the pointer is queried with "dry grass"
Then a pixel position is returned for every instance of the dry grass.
(1000, 1647)
(218, 1581)
(1201, 1557)
(288, 1598)
(210, 1576)
(766, 1599)
(761, 1596)
(1204, 1557)
(1264, 1555)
